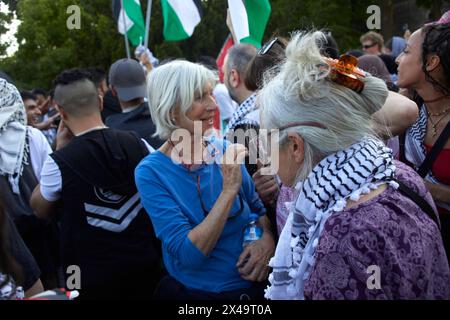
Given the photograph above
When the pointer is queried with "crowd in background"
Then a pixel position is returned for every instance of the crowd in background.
(88, 179)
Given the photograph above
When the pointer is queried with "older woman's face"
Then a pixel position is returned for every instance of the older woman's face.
(202, 111)
(410, 72)
(290, 161)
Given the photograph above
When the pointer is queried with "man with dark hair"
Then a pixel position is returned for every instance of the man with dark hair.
(38, 115)
(98, 77)
(104, 229)
(31, 107)
(110, 103)
(128, 84)
(40, 95)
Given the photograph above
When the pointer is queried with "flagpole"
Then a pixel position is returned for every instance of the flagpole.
(147, 22)
(127, 45)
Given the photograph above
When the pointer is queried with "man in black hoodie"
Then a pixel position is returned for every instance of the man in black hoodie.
(104, 229)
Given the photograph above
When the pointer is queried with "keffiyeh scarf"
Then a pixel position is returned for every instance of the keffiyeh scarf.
(415, 151)
(13, 132)
(344, 175)
(240, 114)
(9, 290)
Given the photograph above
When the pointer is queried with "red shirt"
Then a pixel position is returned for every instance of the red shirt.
(441, 166)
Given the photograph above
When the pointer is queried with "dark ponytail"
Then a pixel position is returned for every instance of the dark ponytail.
(437, 41)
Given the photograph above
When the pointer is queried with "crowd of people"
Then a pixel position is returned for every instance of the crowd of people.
(146, 178)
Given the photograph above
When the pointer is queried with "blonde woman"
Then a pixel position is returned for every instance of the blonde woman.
(200, 208)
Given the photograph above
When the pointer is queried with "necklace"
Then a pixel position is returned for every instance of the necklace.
(443, 114)
(188, 166)
(439, 113)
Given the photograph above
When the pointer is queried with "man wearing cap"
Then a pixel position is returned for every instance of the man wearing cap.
(127, 81)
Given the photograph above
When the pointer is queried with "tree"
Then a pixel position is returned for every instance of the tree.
(5, 19)
(434, 6)
(46, 46)
(345, 18)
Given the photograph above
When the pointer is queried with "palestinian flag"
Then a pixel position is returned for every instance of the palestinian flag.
(249, 19)
(134, 20)
(180, 18)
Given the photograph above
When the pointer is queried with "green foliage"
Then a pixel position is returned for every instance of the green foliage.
(345, 18)
(5, 19)
(46, 46)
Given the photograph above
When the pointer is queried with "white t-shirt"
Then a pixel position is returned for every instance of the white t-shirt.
(51, 181)
(39, 150)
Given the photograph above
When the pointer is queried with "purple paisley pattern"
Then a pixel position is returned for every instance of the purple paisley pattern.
(388, 231)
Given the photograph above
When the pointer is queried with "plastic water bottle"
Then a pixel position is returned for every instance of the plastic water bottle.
(253, 231)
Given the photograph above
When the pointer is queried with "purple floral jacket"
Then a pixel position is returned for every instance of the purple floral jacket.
(385, 248)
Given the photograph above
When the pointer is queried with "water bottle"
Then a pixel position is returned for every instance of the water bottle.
(252, 231)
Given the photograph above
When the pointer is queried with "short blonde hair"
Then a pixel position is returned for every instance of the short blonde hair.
(174, 85)
(374, 37)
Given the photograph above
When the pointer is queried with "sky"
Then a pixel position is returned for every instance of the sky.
(10, 35)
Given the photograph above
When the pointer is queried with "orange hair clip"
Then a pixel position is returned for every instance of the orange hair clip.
(345, 72)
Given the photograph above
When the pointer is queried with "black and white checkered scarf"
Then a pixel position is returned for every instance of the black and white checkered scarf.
(13, 133)
(344, 175)
(239, 117)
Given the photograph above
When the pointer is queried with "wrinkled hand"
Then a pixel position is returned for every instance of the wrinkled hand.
(266, 187)
(63, 136)
(231, 167)
(253, 263)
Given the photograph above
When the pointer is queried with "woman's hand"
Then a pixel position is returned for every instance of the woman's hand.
(231, 168)
(253, 264)
(205, 235)
(438, 191)
(266, 186)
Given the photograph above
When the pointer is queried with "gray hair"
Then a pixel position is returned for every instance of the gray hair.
(239, 56)
(174, 85)
(302, 92)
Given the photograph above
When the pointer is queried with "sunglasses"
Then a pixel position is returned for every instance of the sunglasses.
(367, 46)
(268, 45)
